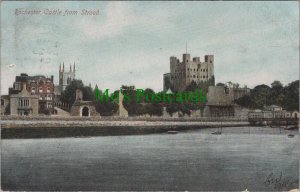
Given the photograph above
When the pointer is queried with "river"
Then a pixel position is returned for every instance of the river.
(238, 159)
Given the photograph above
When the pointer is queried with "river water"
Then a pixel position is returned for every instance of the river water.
(193, 160)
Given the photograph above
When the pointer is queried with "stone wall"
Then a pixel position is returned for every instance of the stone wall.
(78, 106)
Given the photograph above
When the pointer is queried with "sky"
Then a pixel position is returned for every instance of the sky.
(130, 42)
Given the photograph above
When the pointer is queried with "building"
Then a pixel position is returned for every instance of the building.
(183, 73)
(273, 108)
(274, 112)
(220, 101)
(24, 103)
(260, 114)
(38, 85)
(4, 104)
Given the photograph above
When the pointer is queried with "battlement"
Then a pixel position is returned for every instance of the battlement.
(209, 58)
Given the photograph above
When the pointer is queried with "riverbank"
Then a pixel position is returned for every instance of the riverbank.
(50, 129)
(13, 127)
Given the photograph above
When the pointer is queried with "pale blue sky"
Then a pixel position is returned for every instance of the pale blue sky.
(131, 42)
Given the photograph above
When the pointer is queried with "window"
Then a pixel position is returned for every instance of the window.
(41, 97)
(32, 89)
(41, 89)
(2, 102)
(48, 89)
(194, 76)
(194, 69)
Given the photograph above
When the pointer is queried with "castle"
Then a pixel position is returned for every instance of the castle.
(183, 73)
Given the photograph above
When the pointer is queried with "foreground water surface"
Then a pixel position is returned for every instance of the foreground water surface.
(194, 160)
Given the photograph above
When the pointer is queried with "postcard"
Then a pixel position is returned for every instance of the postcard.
(149, 96)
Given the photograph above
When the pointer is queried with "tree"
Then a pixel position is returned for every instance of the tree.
(106, 108)
(131, 106)
(88, 94)
(260, 94)
(276, 95)
(221, 84)
(291, 96)
(172, 108)
(69, 95)
(191, 87)
(246, 101)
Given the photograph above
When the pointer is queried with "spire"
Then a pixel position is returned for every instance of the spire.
(70, 68)
(59, 67)
(74, 67)
(96, 87)
(63, 67)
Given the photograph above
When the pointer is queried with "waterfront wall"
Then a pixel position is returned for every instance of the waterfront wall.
(104, 130)
(118, 118)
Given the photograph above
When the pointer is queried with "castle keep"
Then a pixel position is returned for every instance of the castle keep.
(183, 73)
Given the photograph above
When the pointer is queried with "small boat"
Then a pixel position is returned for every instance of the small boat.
(172, 132)
(291, 135)
(217, 133)
(291, 128)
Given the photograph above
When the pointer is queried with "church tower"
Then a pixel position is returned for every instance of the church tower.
(65, 77)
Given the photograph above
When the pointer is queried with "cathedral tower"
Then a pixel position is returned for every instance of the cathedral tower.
(65, 77)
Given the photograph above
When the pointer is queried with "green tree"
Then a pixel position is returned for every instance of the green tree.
(192, 86)
(106, 108)
(276, 95)
(291, 96)
(88, 93)
(69, 95)
(260, 94)
(221, 84)
(246, 101)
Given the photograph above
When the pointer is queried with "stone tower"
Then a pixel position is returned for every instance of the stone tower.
(122, 112)
(65, 77)
(79, 95)
(189, 70)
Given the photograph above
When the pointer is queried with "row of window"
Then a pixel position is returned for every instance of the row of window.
(49, 105)
(188, 69)
(48, 97)
(202, 70)
(40, 90)
(194, 76)
(24, 103)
